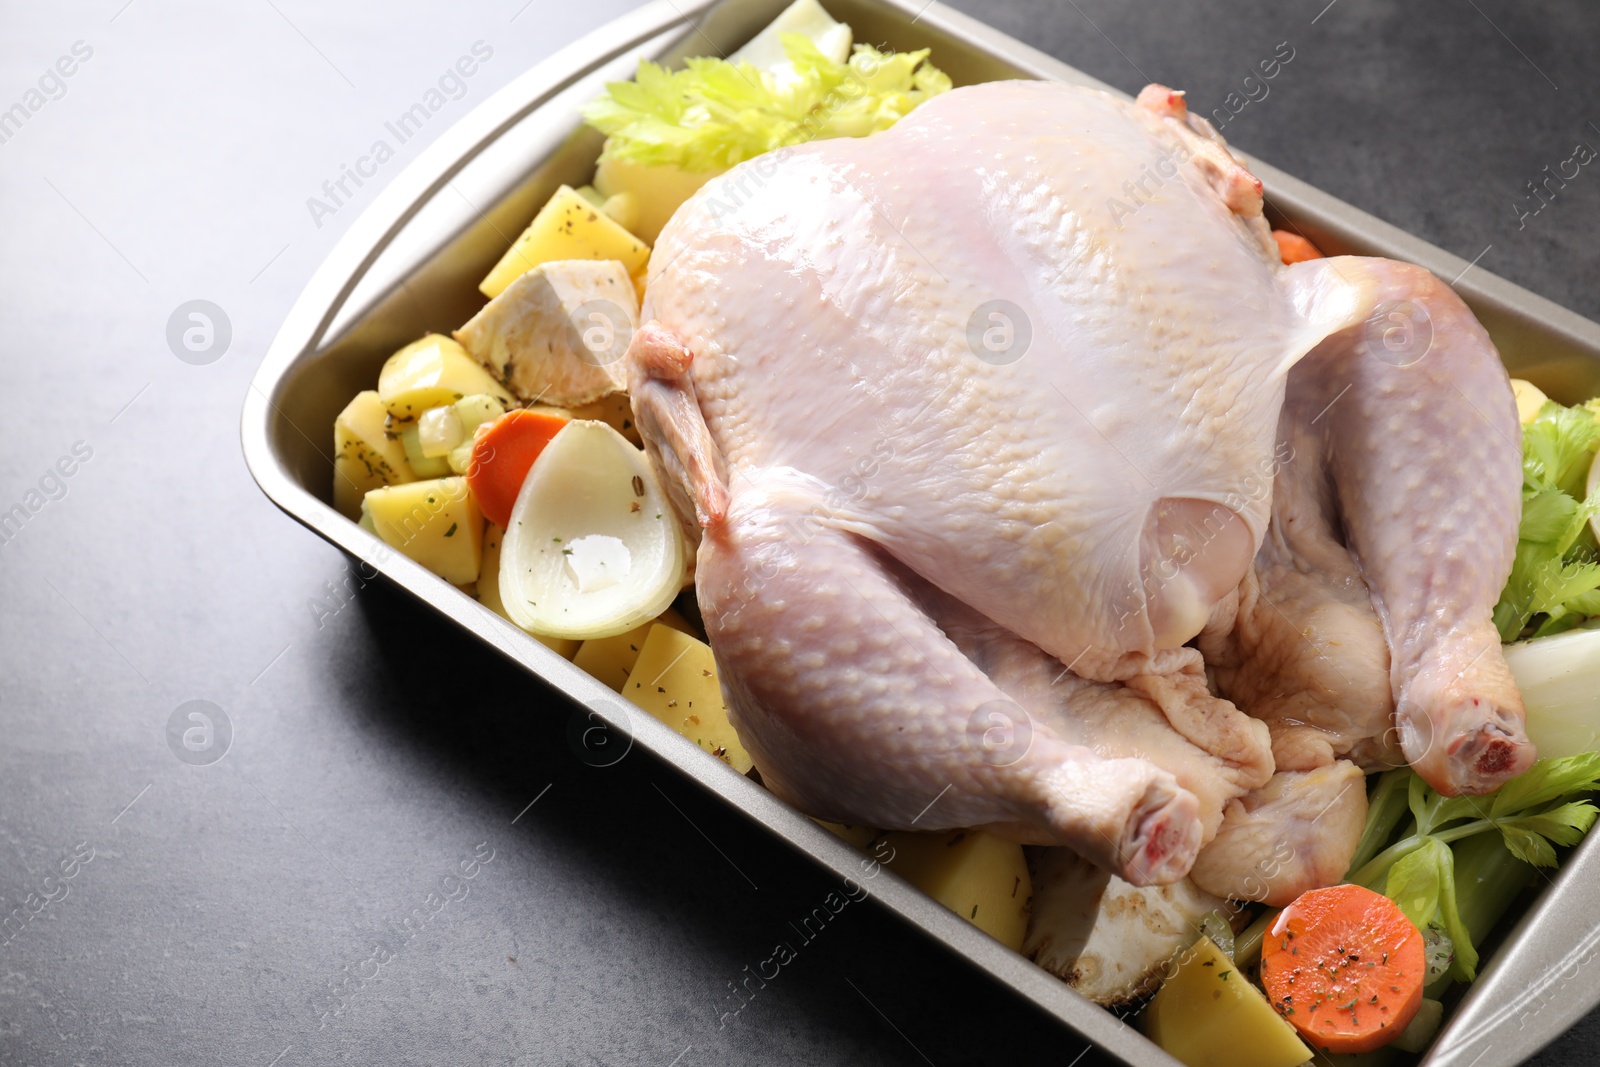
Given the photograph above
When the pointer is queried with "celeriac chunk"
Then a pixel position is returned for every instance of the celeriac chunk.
(558, 333)
(1107, 939)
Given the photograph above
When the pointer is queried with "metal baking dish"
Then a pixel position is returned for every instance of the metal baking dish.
(411, 262)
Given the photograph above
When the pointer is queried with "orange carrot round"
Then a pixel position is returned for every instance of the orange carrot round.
(1292, 248)
(502, 453)
(1345, 967)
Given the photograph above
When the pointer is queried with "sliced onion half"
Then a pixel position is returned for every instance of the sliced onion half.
(593, 548)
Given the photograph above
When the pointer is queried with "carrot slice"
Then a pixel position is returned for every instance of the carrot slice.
(502, 453)
(1293, 248)
(1345, 966)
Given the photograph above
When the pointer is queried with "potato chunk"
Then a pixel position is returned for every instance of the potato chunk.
(567, 227)
(431, 372)
(675, 679)
(558, 333)
(436, 523)
(611, 659)
(1209, 1015)
(981, 877)
(658, 191)
(365, 456)
(1530, 398)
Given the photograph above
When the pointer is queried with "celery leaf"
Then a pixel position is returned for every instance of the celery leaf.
(714, 113)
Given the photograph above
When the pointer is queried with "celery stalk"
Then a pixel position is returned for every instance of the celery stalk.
(1488, 880)
(1386, 807)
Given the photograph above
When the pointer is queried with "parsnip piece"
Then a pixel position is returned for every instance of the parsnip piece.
(611, 659)
(675, 679)
(567, 227)
(1209, 1015)
(365, 457)
(558, 333)
(589, 480)
(430, 372)
(981, 877)
(435, 522)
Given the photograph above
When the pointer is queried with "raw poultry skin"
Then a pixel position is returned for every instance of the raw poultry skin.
(905, 531)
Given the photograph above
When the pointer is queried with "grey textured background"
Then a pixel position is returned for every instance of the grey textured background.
(374, 749)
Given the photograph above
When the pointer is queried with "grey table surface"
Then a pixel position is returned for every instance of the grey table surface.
(307, 898)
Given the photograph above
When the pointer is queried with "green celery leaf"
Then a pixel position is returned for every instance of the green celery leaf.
(1546, 781)
(1466, 961)
(1558, 447)
(714, 113)
(1545, 516)
(1527, 845)
(1417, 797)
(1417, 880)
(1556, 583)
(1585, 603)
(1564, 826)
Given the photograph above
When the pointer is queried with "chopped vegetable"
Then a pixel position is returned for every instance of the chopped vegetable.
(589, 480)
(489, 592)
(657, 191)
(422, 464)
(1424, 1025)
(440, 430)
(805, 17)
(675, 679)
(1345, 967)
(1530, 400)
(1111, 941)
(502, 454)
(1533, 814)
(611, 659)
(567, 227)
(981, 877)
(435, 522)
(1292, 248)
(1555, 580)
(715, 113)
(1559, 678)
(1208, 1015)
(365, 455)
(558, 333)
(430, 372)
